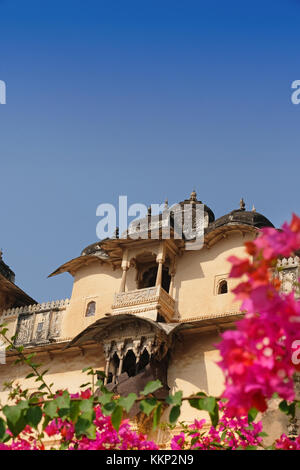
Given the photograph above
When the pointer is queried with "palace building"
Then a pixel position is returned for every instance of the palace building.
(141, 309)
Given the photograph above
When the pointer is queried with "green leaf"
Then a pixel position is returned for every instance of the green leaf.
(108, 408)
(252, 413)
(74, 410)
(2, 429)
(46, 421)
(214, 415)
(63, 401)
(33, 416)
(174, 399)
(101, 373)
(205, 403)
(148, 405)
(208, 404)
(90, 432)
(289, 410)
(156, 416)
(127, 402)
(174, 414)
(116, 417)
(151, 387)
(15, 418)
(86, 405)
(32, 374)
(105, 398)
(50, 409)
(82, 426)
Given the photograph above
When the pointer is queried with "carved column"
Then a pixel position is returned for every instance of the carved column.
(120, 352)
(107, 348)
(123, 281)
(120, 365)
(159, 273)
(106, 370)
(125, 267)
(160, 259)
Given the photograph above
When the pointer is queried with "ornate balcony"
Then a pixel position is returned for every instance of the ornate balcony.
(147, 302)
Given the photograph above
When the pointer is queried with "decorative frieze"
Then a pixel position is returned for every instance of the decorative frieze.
(45, 306)
(37, 323)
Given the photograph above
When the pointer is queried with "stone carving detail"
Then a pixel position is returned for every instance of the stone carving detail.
(41, 329)
(38, 327)
(136, 296)
(54, 304)
(289, 272)
(150, 299)
(24, 329)
(153, 343)
(55, 324)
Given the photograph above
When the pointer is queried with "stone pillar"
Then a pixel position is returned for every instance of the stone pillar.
(123, 281)
(125, 267)
(106, 370)
(106, 348)
(171, 284)
(160, 259)
(120, 365)
(159, 273)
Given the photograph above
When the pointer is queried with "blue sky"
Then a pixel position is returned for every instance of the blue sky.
(149, 99)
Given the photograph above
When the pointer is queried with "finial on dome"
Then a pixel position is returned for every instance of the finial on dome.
(242, 204)
(253, 208)
(166, 206)
(193, 196)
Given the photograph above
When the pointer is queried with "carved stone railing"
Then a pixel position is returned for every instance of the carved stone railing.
(38, 323)
(148, 302)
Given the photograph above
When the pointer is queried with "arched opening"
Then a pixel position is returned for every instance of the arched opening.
(143, 362)
(90, 309)
(149, 278)
(223, 287)
(129, 364)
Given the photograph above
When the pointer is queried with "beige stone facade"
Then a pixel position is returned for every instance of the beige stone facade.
(143, 309)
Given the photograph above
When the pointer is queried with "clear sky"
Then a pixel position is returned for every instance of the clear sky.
(148, 99)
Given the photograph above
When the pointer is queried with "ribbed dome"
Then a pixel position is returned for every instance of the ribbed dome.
(241, 216)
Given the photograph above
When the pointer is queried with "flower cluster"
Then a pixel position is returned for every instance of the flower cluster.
(284, 443)
(231, 433)
(24, 441)
(257, 356)
(63, 431)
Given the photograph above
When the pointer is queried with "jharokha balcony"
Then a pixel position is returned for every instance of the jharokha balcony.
(151, 302)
